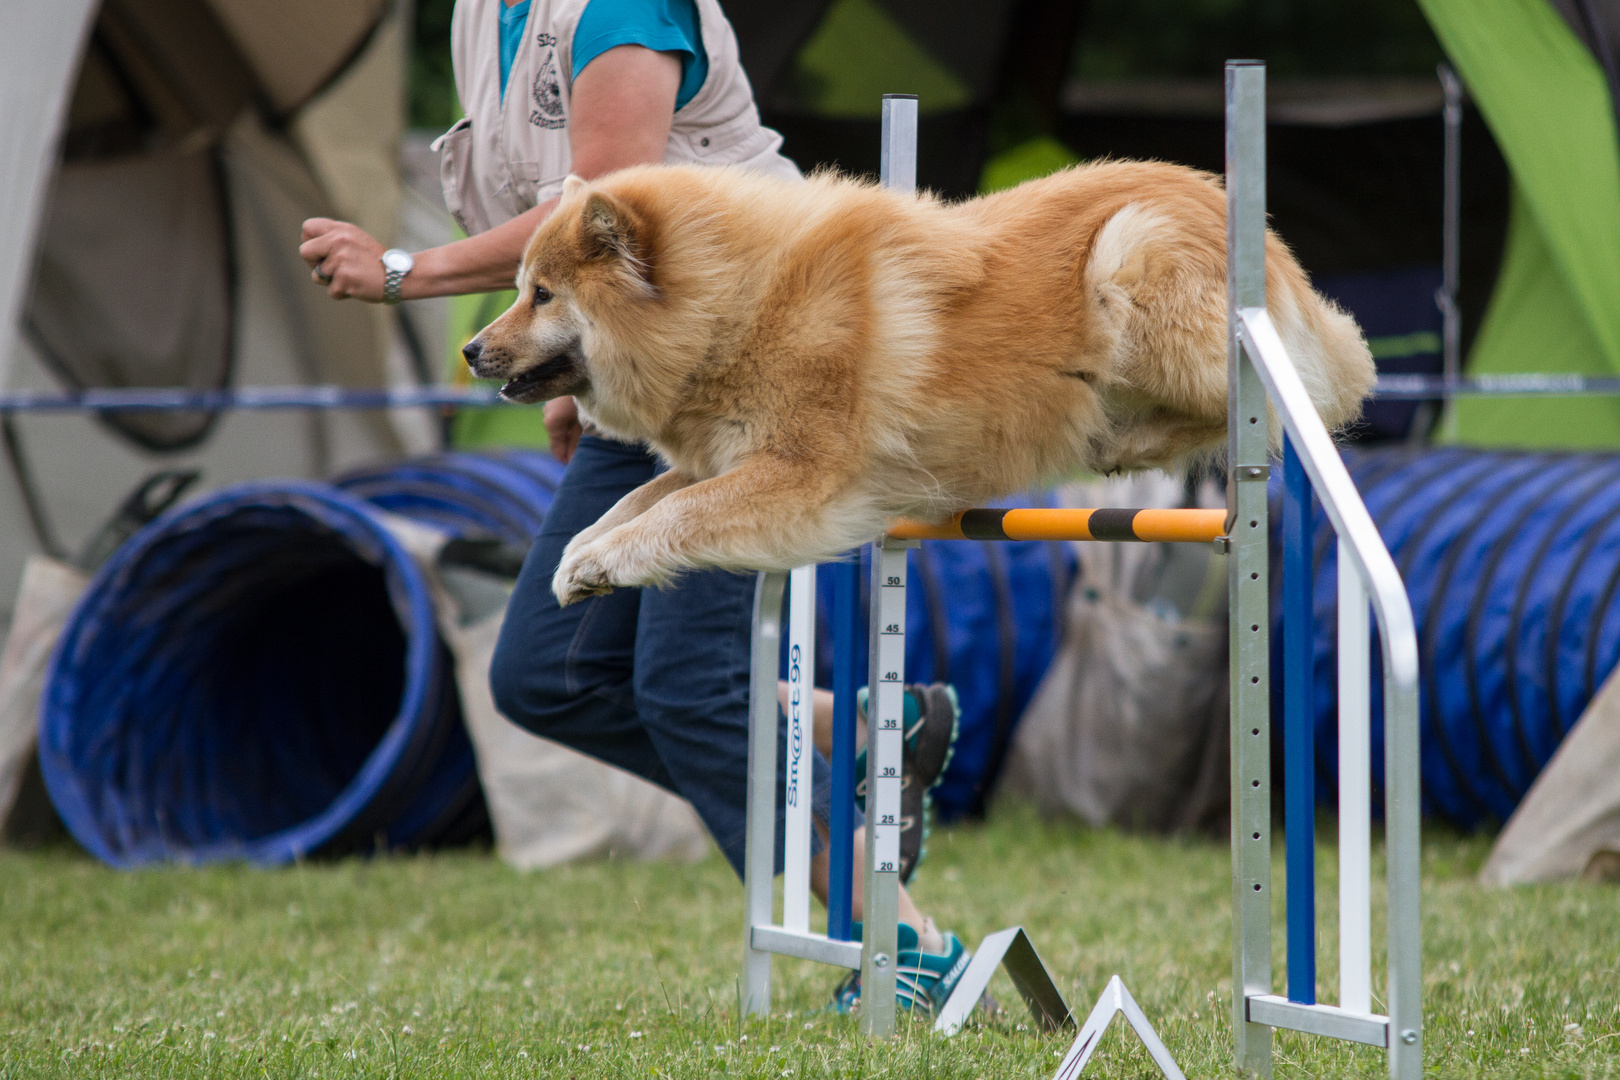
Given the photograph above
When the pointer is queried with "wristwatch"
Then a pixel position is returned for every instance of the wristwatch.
(397, 262)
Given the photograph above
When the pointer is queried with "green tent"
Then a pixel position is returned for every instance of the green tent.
(1556, 307)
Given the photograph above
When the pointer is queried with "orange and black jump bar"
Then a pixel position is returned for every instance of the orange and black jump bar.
(1172, 526)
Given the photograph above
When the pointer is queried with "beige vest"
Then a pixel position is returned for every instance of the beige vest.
(507, 157)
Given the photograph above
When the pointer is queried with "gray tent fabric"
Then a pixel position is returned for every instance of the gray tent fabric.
(49, 591)
(295, 46)
(40, 41)
(1129, 725)
(337, 155)
(134, 283)
(1568, 824)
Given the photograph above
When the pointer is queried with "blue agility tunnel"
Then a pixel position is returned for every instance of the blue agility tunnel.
(257, 675)
(1512, 561)
(488, 495)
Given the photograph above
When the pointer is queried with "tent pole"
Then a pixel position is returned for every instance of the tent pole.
(1451, 244)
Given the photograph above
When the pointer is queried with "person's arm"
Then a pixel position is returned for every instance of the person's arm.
(622, 106)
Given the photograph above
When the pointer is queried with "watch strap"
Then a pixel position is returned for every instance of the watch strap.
(392, 280)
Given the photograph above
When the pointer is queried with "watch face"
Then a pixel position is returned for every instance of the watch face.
(398, 261)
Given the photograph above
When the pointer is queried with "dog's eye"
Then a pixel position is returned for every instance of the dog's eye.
(541, 296)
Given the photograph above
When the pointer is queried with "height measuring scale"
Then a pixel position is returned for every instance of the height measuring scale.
(885, 710)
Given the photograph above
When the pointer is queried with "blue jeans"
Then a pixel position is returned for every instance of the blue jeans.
(654, 681)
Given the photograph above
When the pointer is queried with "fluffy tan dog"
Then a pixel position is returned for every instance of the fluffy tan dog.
(817, 359)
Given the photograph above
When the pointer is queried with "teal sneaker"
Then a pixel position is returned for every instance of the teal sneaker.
(847, 994)
(931, 720)
(922, 980)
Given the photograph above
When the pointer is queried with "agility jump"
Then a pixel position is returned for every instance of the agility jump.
(1169, 526)
(1262, 377)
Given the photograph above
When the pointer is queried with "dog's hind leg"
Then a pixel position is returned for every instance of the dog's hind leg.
(768, 513)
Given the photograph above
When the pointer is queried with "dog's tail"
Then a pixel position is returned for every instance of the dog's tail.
(1322, 339)
(1160, 285)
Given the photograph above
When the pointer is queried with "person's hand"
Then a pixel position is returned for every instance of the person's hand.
(562, 427)
(344, 259)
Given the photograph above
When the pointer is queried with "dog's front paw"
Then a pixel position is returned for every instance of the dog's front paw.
(580, 576)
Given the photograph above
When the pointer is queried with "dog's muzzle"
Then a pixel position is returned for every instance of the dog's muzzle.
(473, 353)
(554, 378)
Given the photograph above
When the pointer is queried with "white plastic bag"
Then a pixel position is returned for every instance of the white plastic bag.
(549, 804)
(1129, 726)
(45, 598)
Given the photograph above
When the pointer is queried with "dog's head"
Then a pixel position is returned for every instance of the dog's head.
(587, 256)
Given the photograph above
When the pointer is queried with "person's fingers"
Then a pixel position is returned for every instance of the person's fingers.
(317, 248)
(565, 442)
(315, 226)
(343, 258)
(563, 430)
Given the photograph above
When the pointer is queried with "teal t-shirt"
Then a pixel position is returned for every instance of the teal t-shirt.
(513, 20)
(660, 25)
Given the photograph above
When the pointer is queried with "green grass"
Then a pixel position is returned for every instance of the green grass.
(453, 965)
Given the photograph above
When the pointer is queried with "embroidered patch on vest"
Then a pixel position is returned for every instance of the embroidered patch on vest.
(548, 110)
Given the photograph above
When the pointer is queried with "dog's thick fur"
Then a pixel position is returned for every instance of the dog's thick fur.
(817, 359)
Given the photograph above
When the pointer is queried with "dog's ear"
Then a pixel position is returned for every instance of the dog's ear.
(572, 183)
(610, 228)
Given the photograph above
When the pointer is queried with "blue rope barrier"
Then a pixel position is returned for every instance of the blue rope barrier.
(247, 398)
(1389, 388)
(1531, 384)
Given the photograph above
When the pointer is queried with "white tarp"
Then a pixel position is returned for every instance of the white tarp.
(1569, 822)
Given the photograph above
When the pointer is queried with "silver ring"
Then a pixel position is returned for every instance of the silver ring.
(325, 279)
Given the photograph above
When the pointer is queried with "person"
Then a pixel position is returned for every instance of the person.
(652, 681)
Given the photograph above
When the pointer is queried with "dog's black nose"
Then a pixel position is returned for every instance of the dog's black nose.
(472, 350)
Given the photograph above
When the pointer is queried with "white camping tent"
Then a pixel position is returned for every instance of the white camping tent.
(160, 155)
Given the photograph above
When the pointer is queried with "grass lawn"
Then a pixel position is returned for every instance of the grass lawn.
(453, 965)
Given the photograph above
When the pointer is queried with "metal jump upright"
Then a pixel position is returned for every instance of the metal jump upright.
(1260, 372)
